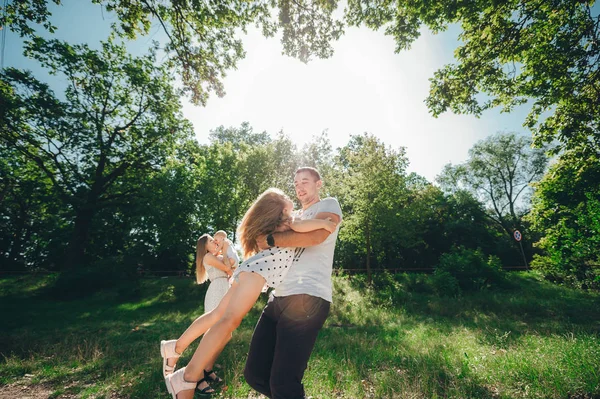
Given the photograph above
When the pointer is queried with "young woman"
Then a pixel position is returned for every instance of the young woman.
(208, 266)
(271, 212)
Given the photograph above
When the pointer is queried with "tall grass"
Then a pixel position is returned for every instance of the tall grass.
(394, 339)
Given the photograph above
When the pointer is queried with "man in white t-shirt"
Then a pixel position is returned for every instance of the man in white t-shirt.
(288, 327)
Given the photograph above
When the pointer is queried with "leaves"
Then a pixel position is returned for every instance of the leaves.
(203, 37)
(566, 212)
(499, 172)
(120, 117)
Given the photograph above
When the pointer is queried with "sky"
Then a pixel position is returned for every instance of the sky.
(364, 88)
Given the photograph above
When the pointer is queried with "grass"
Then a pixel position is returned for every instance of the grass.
(530, 339)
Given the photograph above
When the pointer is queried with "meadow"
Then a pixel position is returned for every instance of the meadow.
(392, 339)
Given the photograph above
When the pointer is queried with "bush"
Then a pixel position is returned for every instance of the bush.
(445, 284)
(583, 275)
(417, 282)
(470, 268)
(388, 288)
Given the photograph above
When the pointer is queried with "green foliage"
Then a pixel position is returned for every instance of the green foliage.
(32, 228)
(511, 52)
(445, 284)
(369, 181)
(566, 213)
(118, 121)
(499, 173)
(203, 40)
(471, 268)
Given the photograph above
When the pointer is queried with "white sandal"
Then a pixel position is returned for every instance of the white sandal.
(176, 383)
(167, 351)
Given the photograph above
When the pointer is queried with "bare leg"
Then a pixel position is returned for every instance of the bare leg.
(243, 296)
(199, 327)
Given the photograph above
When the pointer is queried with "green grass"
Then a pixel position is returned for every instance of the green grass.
(529, 340)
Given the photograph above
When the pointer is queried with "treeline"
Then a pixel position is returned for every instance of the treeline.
(107, 175)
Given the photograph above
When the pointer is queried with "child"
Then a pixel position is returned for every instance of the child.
(269, 213)
(229, 253)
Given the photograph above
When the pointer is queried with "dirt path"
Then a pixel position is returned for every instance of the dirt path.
(21, 390)
(18, 391)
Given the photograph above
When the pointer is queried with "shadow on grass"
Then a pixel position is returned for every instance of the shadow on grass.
(101, 342)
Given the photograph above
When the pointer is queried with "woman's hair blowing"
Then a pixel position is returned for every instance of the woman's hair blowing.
(263, 217)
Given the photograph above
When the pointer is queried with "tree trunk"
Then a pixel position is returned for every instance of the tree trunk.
(76, 250)
(368, 243)
(14, 254)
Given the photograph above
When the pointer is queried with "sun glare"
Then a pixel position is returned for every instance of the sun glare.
(364, 87)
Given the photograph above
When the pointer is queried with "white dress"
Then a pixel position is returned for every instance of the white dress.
(219, 284)
(272, 264)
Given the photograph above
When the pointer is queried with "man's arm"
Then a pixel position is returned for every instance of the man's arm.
(291, 238)
(304, 226)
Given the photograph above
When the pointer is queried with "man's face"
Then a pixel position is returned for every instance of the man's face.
(307, 188)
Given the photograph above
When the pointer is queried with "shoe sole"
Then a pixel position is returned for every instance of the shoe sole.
(169, 387)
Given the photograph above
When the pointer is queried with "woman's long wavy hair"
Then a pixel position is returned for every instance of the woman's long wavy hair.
(201, 250)
(263, 217)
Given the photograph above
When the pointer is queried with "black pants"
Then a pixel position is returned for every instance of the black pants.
(282, 343)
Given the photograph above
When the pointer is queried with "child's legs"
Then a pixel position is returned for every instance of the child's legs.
(243, 296)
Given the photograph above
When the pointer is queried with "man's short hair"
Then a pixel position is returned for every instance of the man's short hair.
(221, 232)
(313, 172)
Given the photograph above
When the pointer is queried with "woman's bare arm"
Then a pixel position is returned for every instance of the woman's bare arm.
(213, 261)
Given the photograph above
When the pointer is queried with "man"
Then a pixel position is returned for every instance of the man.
(288, 327)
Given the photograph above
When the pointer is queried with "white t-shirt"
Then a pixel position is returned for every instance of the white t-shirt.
(311, 270)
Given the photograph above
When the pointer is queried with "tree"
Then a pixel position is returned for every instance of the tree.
(511, 52)
(202, 37)
(239, 137)
(566, 212)
(30, 214)
(119, 119)
(499, 173)
(170, 212)
(318, 154)
(370, 184)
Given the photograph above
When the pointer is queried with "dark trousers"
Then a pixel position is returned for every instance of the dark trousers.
(282, 343)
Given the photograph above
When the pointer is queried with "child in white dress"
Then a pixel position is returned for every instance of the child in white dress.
(271, 212)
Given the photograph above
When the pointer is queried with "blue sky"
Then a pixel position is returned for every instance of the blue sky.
(364, 87)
